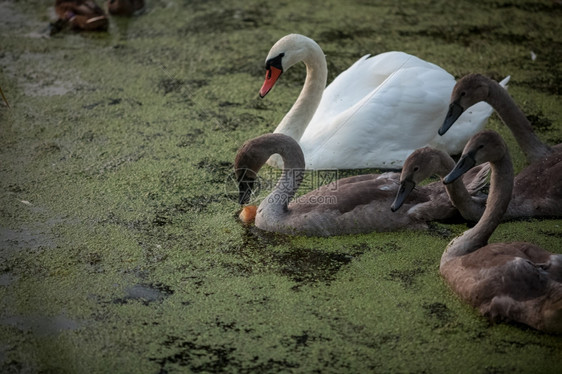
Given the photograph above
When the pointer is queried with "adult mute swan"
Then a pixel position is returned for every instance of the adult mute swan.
(357, 204)
(538, 187)
(515, 281)
(360, 120)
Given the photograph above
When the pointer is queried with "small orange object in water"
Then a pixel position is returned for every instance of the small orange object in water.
(248, 213)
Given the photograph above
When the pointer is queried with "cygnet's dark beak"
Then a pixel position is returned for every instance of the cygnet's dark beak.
(455, 111)
(405, 188)
(466, 162)
(245, 190)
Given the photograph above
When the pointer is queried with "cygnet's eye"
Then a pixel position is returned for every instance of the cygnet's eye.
(463, 93)
(416, 168)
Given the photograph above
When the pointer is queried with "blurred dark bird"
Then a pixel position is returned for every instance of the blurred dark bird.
(125, 7)
(80, 15)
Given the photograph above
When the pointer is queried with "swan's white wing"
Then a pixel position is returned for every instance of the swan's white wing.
(401, 114)
(359, 81)
(382, 108)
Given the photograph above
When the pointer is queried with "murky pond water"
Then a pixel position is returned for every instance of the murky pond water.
(120, 250)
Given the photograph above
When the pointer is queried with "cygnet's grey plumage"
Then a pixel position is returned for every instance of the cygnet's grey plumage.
(351, 205)
(537, 190)
(506, 281)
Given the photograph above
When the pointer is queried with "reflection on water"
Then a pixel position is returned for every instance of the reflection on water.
(145, 293)
(41, 325)
(7, 279)
(12, 241)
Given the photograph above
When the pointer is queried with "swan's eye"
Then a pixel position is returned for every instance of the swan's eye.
(481, 146)
(463, 93)
(416, 168)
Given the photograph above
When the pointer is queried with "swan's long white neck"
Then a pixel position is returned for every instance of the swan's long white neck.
(295, 121)
(501, 185)
(514, 118)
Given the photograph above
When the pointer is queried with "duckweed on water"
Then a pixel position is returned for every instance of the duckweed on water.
(119, 243)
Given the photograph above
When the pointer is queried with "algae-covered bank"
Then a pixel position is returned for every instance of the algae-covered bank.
(120, 247)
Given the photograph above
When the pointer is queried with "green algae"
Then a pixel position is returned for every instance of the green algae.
(121, 251)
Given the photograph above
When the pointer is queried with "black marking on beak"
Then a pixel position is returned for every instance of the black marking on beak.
(275, 62)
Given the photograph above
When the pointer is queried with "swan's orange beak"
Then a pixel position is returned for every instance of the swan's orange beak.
(271, 76)
(248, 213)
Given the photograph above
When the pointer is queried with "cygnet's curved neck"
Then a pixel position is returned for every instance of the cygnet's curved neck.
(514, 118)
(458, 194)
(501, 186)
(295, 121)
(275, 204)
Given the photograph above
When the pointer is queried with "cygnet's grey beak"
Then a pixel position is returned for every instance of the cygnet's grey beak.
(405, 188)
(455, 111)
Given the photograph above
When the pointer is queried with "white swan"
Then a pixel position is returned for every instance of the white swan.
(370, 115)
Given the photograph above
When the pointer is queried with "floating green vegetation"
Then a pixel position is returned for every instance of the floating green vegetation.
(120, 250)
